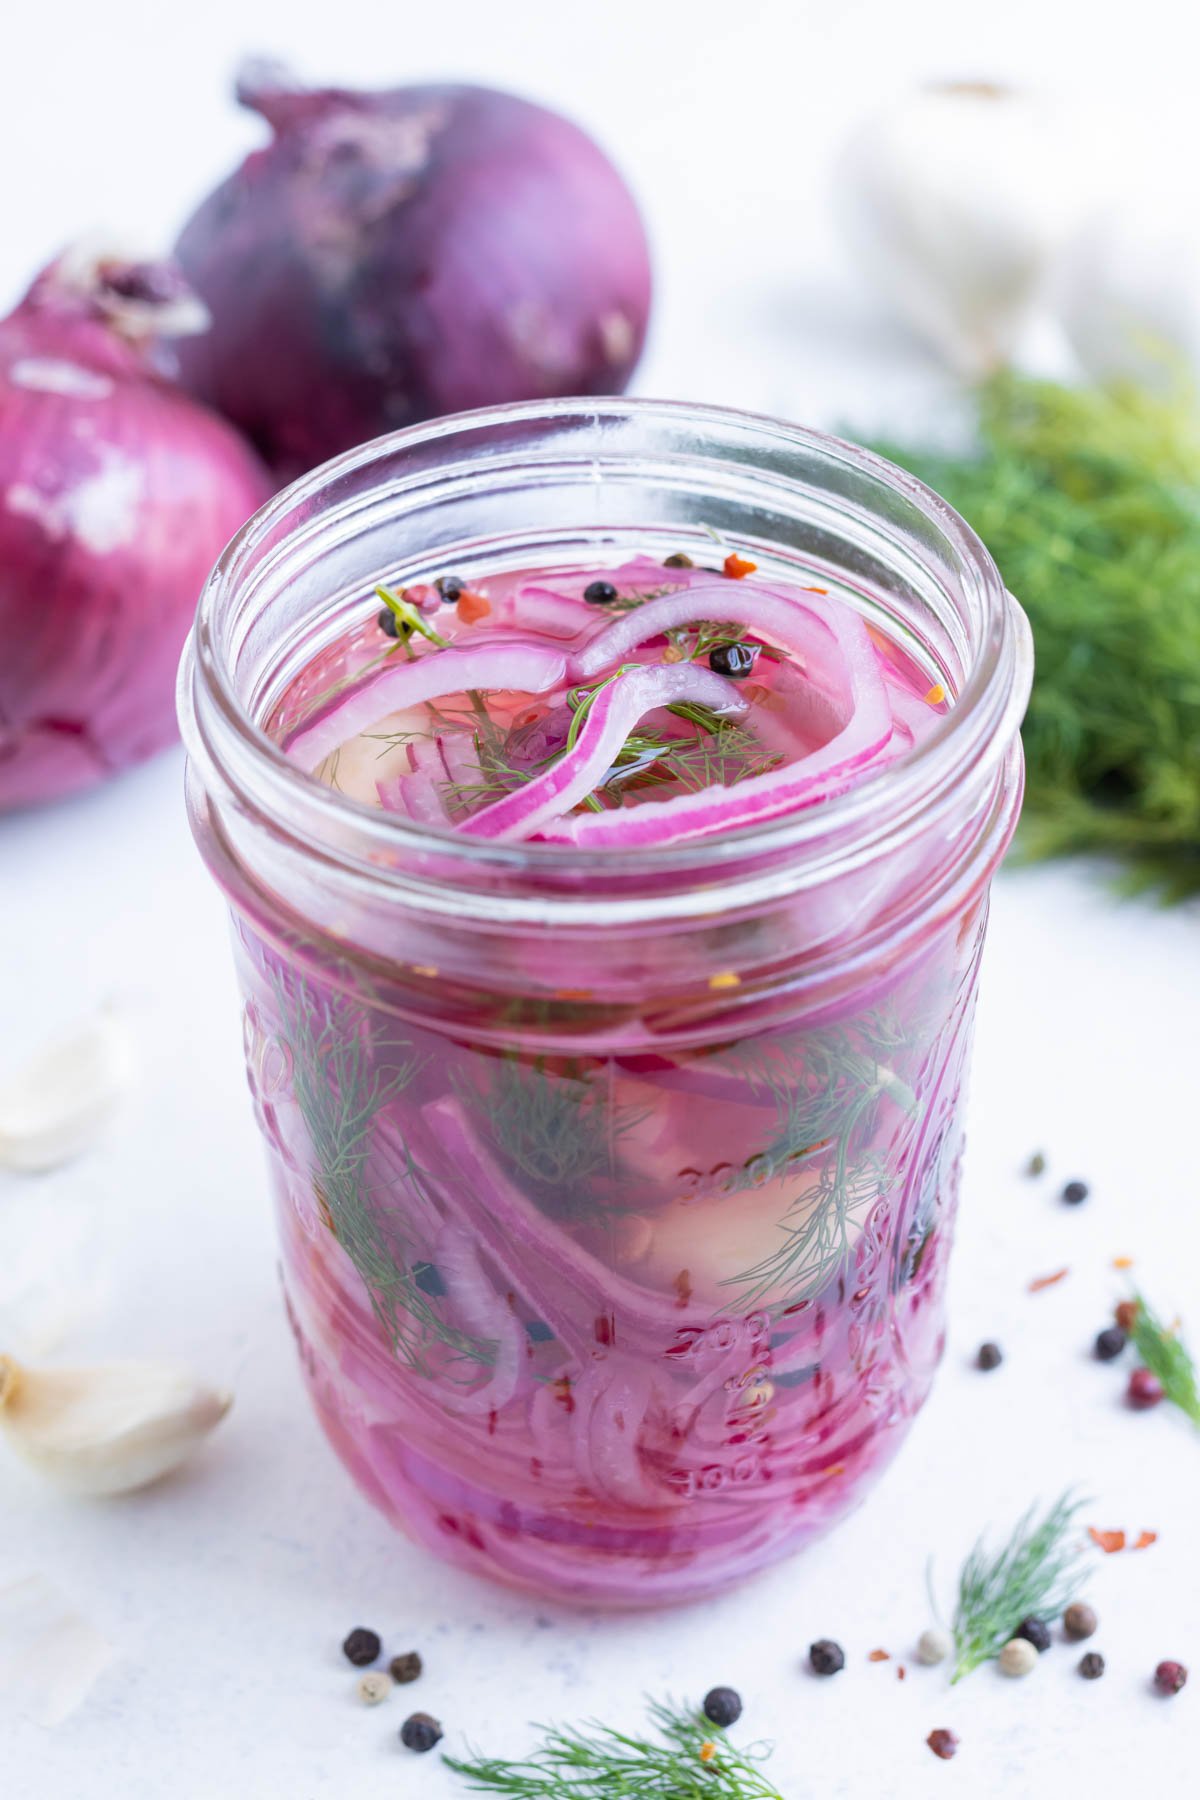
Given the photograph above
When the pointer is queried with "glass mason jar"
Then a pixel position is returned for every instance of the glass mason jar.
(615, 1190)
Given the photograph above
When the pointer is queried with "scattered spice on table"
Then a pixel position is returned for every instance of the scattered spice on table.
(1047, 1281)
(405, 1668)
(722, 1706)
(1075, 1193)
(1036, 1165)
(1079, 1620)
(1145, 1539)
(943, 1743)
(825, 1657)
(1109, 1343)
(1091, 1665)
(1033, 1575)
(901, 1671)
(1125, 1312)
(879, 1656)
(373, 1687)
(1018, 1658)
(934, 1645)
(1108, 1541)
(1170, 1677)
(989, 1356)
(1144, 1391)
(362, 1646)
(420, 1732)
(1122, 1262)
(1035, 1632)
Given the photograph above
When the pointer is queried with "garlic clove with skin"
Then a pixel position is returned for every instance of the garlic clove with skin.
(955, 199)
(108, 1429)
(54, 1108)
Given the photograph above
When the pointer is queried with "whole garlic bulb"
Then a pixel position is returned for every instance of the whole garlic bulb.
(1128, 293)
(955, 199)
(108, 1429)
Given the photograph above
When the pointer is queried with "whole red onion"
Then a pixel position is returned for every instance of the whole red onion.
(117, 491)
(391, 256)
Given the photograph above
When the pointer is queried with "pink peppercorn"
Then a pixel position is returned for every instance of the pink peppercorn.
(1144, 1390)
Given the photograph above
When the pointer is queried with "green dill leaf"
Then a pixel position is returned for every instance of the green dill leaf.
(409, 617)
(683, 1757)
(1164, 1352)
(1035, 1575)
(1089, 500)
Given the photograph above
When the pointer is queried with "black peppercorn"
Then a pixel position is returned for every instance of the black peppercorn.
(678, 560)
(538, 1332)
(362, 1647)
(427, 1277)
(826, 1657)
(1091, 1666)
(388, 623)
(989, 1356)
(723, 1706)
(734, 660)
(1075, 1192)
(1109, 1343)
(420, 1733)
(1035, 1632)
(450, 587)
(600, 593)
(405, 1668)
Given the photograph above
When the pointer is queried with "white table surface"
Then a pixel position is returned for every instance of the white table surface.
(226, 1593)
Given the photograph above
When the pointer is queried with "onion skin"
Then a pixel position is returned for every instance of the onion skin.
(392, 256)
(117, 493)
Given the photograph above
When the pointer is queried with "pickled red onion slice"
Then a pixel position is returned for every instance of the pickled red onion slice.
(611, 716)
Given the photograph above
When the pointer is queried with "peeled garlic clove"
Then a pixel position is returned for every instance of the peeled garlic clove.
(955, 198)
(56, 1106)
(108, 1429)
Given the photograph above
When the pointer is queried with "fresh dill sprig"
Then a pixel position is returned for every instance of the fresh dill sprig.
(827, 1088)
(1164, 1352)
(1089, 499)
(1035, 1575)
(687, 1759)
(409, 618)
(550, 1124)
(342, 1080)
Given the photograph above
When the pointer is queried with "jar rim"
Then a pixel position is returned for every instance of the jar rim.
(975, 734)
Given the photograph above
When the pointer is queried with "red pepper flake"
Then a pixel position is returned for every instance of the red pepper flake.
(737, 566)
(833, 1469)
(901, 1671)
(1145, 1539)
(683, 1287)
(606, 1329)
(472, 607)
(1125, 1313)
(573, 993)
(879, 1656)
(707, 1752)
(936, 695)
(1122, 1262)
(1108, 1541)
(943, 1744)
(563, 1394)
(816, 590)
(1045, 1281)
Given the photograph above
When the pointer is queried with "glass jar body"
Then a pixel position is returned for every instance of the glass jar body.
(615, 1201)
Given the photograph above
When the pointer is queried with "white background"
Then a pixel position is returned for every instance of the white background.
(226, 1593)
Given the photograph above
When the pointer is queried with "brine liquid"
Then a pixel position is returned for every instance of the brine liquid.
(616, 1300)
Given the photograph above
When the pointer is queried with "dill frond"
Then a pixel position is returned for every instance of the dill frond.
(1034, 1575)
(686, 1758)
(1166, 1355)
